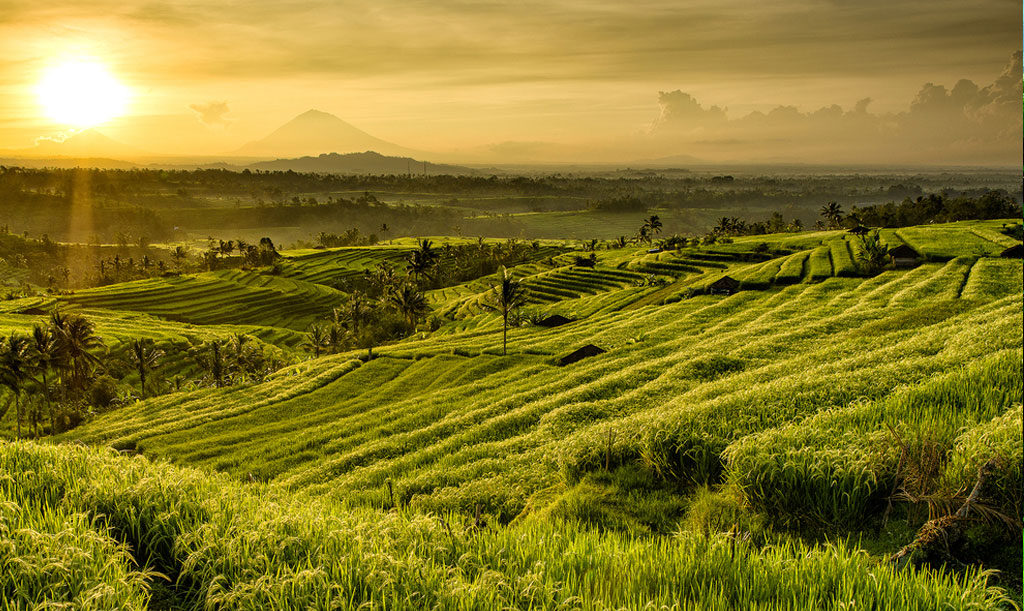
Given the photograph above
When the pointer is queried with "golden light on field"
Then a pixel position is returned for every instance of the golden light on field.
(81, 93)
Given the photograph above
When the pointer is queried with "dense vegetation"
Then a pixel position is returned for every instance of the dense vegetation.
(388, 425)
(161, 205)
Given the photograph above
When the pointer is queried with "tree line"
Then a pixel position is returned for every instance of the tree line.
(61, 372)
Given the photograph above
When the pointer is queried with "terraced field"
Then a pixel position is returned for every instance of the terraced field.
(442, 473)
(216, 298)
(450, 424)
(334, 265)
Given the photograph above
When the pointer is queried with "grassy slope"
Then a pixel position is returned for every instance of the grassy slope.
(451, 424)
(783, 394)
(78, 523)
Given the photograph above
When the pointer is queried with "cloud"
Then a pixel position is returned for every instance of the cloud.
(965, 124)
(680, 109)
(212, 113)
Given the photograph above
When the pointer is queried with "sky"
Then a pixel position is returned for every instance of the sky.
(770, 80)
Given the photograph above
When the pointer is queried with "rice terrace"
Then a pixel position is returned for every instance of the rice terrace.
(576, 343)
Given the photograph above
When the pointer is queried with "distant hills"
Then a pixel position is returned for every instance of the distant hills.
(315, 132)
(83, 145)
(369, 162)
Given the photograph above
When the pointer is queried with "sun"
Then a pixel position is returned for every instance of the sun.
(81, 93)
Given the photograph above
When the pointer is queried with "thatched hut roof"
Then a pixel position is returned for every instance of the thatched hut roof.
(903, 251)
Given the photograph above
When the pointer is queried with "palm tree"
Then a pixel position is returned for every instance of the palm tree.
(316, 339)
(335, 338)
(622, 242)
(410, 303)
(384, 229)
(653, 224)
(423, 259)
(384, 278)
(48, 356)
(833, 213)
(352, 311)
(15, 367)
(213, 360)
(506, 298)
(178, 255)
(145, 357)
(77, 339)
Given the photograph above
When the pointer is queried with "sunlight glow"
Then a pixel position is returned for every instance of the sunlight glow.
(81, 93)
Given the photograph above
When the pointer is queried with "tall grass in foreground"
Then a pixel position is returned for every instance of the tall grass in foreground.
(230, 546)
(835, 467)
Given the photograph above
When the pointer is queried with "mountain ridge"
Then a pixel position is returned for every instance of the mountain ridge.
(315, 132)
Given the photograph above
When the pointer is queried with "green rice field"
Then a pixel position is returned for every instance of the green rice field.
(770, 448)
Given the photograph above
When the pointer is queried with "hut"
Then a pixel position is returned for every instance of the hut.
(725, 285)
(903, 256)
(1013, 252)
(859, 230)
(555, 320)
(580, 354)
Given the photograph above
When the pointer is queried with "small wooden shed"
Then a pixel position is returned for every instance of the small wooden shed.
(903, 256)
(726, 285)
(1013, 252)
(579, 354)
(555, 320)
(859, 230)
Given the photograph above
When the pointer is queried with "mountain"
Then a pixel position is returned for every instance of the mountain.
(87, 143)
(315, 132)
(369, 162)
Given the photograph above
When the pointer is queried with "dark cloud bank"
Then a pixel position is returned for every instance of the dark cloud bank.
(967, 123)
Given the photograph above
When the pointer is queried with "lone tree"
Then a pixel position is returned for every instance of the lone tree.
(506, 298)
(145, 357)
(653, 225)
(833, 213)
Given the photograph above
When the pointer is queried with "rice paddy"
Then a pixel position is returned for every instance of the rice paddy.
(442, 474)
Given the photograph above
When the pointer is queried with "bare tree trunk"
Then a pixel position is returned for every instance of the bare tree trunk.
(49, 404)
(17, 412)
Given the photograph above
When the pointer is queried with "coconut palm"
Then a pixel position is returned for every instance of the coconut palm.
(653, 224)
(178, 256)
(15, 370)
(213, 360)
(335, 338)
(383, 278)
(506, 297)
(833, 213)
(47, 353)
(423, 259)
(316, 339)
(410, 303)
(77, 340)
(145, 357)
